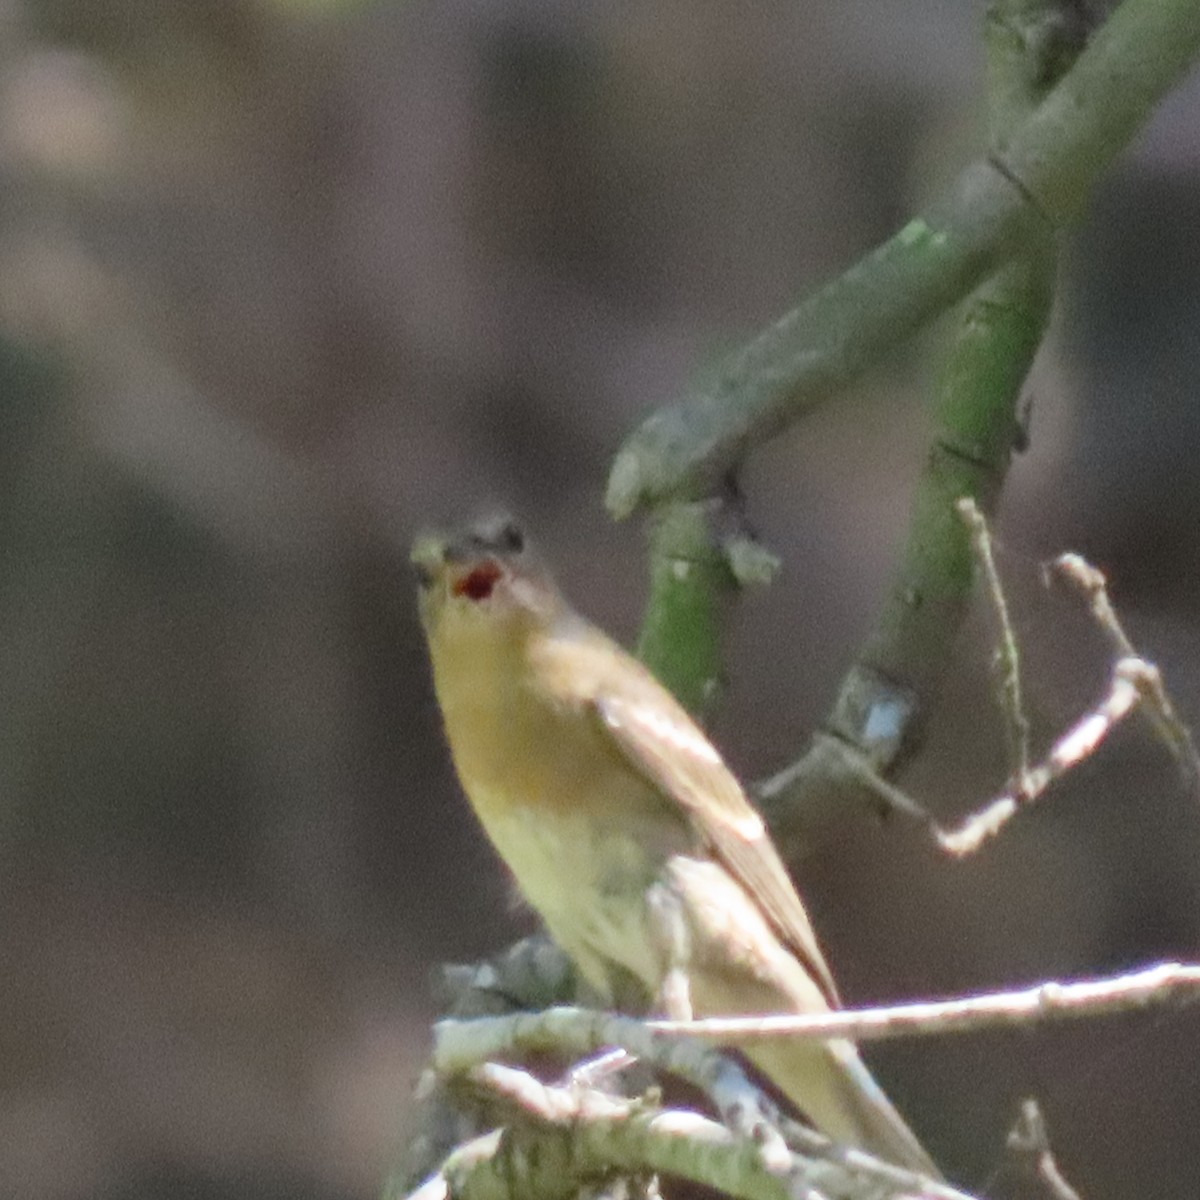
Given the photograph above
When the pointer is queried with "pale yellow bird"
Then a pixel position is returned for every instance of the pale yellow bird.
(624, 828)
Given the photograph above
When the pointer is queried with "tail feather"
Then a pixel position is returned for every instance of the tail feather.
(830, 1084)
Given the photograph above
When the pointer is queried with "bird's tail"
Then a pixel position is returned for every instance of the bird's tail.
(830, 1084)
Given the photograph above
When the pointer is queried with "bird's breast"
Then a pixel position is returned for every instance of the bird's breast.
(584, 835)
(587, 878)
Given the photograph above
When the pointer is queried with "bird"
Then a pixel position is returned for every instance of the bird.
(624, 828)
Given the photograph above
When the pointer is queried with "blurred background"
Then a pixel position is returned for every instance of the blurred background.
(283, 280)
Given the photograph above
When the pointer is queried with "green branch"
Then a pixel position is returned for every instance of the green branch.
(690, 581)
(1007, 200)
(886, 692)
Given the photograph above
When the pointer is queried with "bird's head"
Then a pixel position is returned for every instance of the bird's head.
(483, 581)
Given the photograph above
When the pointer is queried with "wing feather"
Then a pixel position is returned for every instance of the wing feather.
(661, 742)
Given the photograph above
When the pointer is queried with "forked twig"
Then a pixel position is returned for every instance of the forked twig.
(1133, 680)
(1087, 579)
(1029, 1142)
(585, 1136)
(1136, 684)
(599, 1134)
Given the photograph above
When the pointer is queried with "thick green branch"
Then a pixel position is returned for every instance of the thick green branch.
(975, 427)
(690, 580)
(1036, 182)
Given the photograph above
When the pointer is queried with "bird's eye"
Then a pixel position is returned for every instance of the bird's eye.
(510, 538)
(479, 583)
(424, 575)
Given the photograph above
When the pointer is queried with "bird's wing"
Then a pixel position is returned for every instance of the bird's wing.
(654, 733)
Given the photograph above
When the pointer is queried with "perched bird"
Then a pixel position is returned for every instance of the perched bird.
(624, 828)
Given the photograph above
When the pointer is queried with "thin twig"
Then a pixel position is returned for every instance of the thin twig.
(584, 1135)
(1089, 580)
(1012, 706)
(1136, 684)
(575, 1033)
(611, 1134)
(532, 974)
(459, 1045)
(464, 1158)
(1029, 1141)
(1133, 681)
(1162, 984)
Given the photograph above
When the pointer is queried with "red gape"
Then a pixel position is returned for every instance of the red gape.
(479, 583)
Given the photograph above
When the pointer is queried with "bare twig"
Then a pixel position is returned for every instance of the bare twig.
(836, 768)
(1136, 684)
(1016, 724)
(459, 1045)
(1087, 579)
(605, 1134)
(1091, 582)
(1029, 1142)
(573, 1033)
(584, 1135)
(532, 974)
(1133, 681)
(441, 1185)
